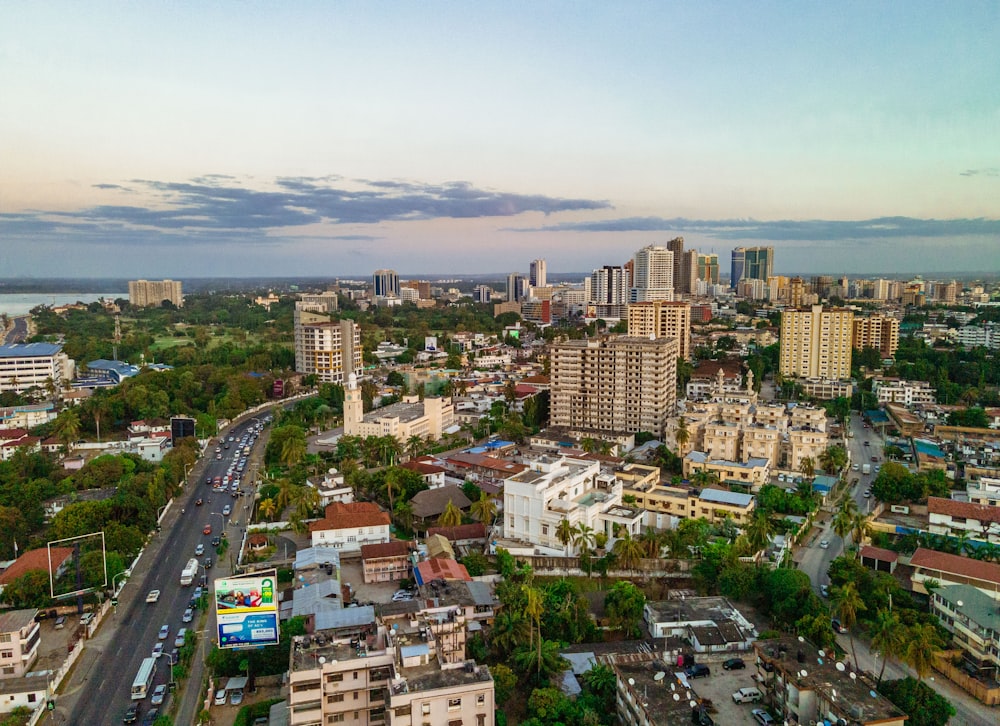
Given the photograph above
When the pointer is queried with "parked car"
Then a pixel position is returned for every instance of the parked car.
(747, 695)
(188, 616)
(236, 698)
(220, 697)
(60, 622)
(734, 664)
(226, 510)
(762, 717)
(824, 544)
(824, 590)
(216, 541)
(150, 717)
(698, 670)
(837, 626)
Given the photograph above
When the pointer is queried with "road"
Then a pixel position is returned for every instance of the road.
(99, 692)
(18, 331)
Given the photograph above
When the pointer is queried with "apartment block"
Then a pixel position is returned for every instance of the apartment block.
(877, 331)
(556, 488)
(907, 393)
(816, 343)
(329, 350)
(322, 301)
(947, 569)
(753, 473)
(617, 383)
(652, 274)
(20, 636)
(973, 620)
(34, 365)
(153, 293)
(661, 319)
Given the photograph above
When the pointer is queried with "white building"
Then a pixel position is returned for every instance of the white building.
(331, 488)
(20, 636)
(34, 365)
(348, 526)
(907, 393)
(558, 488)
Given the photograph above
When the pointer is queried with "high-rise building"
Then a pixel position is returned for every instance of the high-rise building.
(385, 283)
(153, 293)
(614, 384)
(689, 271)
(821, 285)
(517, 287)
(816, 343)
(329, 350)
(796, 291)
(325, 301)
(653, 274)
(877, 331)
(536, 275)
(34, 365)
(482, 293)
(708, 269)
(758, 263)
(423, 288)
(659, 319)
(609, 286)
(676, 247)
(736, 267)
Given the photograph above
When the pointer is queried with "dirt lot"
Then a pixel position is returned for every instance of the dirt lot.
(350, 572)
(719, 688)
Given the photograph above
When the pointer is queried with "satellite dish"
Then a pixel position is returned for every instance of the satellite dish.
(854, 676)
(801, 639)
(631, 681)
(840, 667)
(659, 676)
(822, 653)
(873, 694)
(693, 703)
(803, 673)
(673, 686)
(322, 659)
(677, 696)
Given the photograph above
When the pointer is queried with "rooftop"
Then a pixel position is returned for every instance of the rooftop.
(974, 604)
(37, 559)
(665, 701)
(433, 502)
(350, 516)
(721, 496)
(955, 565)
(966, 510)
(14, 620)
(29, 350)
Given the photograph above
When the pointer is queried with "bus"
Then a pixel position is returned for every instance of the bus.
(144, 679)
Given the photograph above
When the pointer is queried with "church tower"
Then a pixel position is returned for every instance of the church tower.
(353, 406)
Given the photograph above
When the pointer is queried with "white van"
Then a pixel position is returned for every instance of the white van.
(747, 695)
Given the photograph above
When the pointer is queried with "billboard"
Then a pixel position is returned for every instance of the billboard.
(181, 427)
(246, 610)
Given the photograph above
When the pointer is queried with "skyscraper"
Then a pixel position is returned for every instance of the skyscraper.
(676, 247)
(653, 275)
(877, 331)
(536, 274)
(816, 343)
(330, 350)
(708, 269)
(759, 263)
(516, 287)
(153, 293)
(660, 319)
(385, 283)
(736, 267)
(609, 286)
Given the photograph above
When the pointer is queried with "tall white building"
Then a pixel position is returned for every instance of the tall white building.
(653, 274)
(608, 285)
(34, 365)
(536, 275)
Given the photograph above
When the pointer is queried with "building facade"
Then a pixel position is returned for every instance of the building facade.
(661, 319)
(350, 526)
(816, 343)
(619, 383)
(708, 269)
(410, 417)
(536, 274)
(20, 636)
(329, 350)
(34, 365)
(153, 293)
(385, 283)
(877, 331)
(652, 274)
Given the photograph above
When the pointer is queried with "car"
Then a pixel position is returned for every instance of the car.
(698, 670)
(157, 649)
(159, 693)
(218, 456)
(747, 695)
(236, 698)
(197, 592)
(131, 714)
(60, 622)
(208, 563)
(856, 467)
(868, 493)
(837, 626)
(216, 541)
(175, 656)
(824, 543)
(188, 616)
(220, 697)
(199, 550)
(198, 502)
(824, 590)
(181, 637)
(874, 458)
(151, 716)
(226, 510)
(153, 596)
(402, 597)
(207, 529)
(762, 717)
(164, 632)
(866, 443)
(734, 664)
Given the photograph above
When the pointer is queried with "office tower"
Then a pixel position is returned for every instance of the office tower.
(153, 293)
(689, 271)
(816, 343)
(947, 293)
(618, 383)
(758, 263)
(482, 293)
(322, 301)
(796, 291)
(423, 288)
(517, 287)
(608, 286)
(736, 267)
(821, 285)
(676, 247)
(708, 269)
(653, 276)
(661, 319)
(877, 331)
(385, 283)
(536, 274)
(330, 350)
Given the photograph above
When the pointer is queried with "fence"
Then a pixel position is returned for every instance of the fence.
(545, 565)
(977, 689)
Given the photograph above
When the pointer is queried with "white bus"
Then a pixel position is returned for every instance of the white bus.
(144, 679)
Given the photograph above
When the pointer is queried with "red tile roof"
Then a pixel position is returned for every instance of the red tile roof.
(12, 434)
(968, 510)
(955, 565)
(475, 530)
(396, 548)
(355, 514)
(537, 380)
(36, 560)
(423, 468)
(444, 569)
(877, 553)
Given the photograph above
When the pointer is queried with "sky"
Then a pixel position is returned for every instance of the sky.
(192, 139)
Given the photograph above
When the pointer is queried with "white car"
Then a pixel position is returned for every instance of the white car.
(159, 693)
(153, 596)
(158, 650)
(824, 544)
(188, 616)
(164, 632)
(220, 697)
(226, 510)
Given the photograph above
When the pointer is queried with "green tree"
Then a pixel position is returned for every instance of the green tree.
(808, 467)
(922, 643)
(682, 435)
(30, 590)
(564, 533)
(847, 603)
(888, 637)
(624, 605)
(504, 682)
(924, 705)
(628, 551)
(510, 629)
(540, 666)
(484, 509)
(759, 531)
(451, 516)
(67, 427)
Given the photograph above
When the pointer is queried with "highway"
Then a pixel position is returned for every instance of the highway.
(18, 331)
(104, 695)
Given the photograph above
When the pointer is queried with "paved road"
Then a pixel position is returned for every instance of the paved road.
(99, 691)
(18, 331)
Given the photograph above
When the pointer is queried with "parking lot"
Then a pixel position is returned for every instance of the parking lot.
(377, 592)
(720, 686)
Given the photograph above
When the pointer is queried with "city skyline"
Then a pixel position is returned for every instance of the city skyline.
(193, 142)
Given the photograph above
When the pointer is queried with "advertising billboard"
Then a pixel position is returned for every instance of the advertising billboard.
(246, 610)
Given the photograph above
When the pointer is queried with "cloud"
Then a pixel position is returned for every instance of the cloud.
(805, 230)
(356, 237)
(988, 171)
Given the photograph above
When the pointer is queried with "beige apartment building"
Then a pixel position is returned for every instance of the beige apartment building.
(816, 343)
(877, 331)
(410, 417)
(618, 383)
(661, 319)
(19, 639)
(329, 350)
(153, 293)
(686, 503)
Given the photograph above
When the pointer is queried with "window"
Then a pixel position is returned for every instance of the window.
(454, 704)
(545, 530)
(335, 698)
(32, 697)
(6, 654)
(337, 718)
(425, 709)
(481, 699)
(335, 678)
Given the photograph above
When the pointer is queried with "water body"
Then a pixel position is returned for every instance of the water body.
(21, 304)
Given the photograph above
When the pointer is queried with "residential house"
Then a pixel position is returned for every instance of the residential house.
(38, 559)
(753, 473)
(349, 526)
(953, 518)
(973, 620)
(387, 562)
(20, 636)
(430, 504)
(711, 624)
(947, 570)
(881, 560)
(430, 472)
(331, 488)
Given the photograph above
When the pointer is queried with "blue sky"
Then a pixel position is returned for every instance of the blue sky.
(176, 139)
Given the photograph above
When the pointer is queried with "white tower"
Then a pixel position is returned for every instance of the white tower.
(353, 406)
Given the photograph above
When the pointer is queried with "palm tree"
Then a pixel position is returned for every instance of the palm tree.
(843, 521)
(628, 551)
(588, 444)
(759, 531)
(509, 629)
(564, 533)
(293, 450)
(370, 450)
(847, 603)
(414, 445)
(652, 541)
(484, 509)
(544, 664)
(389, 448)
(267, 509)
(285, 495)
(451, 516)
(534, 606)
(67, 427)
(922, 643)
(583, 537)
(392, 484)
(404, 514)
(808, 467)
(682, 435)
(859, 528)
(887, 634)
(306, 501)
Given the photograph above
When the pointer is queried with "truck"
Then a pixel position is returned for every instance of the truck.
(866, 468)
(190, 571)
